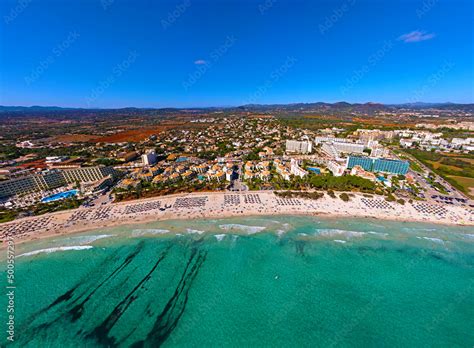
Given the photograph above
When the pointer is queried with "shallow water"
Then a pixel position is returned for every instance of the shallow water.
(274, 281)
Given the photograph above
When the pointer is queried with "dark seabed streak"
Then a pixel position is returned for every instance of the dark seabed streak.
(168, 319)
(101, 332)
(76, 311)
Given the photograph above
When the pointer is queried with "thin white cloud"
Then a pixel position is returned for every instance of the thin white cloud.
(200, 62)
(416, 36)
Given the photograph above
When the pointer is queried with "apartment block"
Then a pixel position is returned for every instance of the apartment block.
(302, 147)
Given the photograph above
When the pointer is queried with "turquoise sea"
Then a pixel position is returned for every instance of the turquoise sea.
(248, 282)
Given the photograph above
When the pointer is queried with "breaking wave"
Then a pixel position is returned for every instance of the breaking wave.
(280, 232)
(191, 231)
(337, 232)
(52, 250)
(468, 235)
(81, 240)
(149, 231)
(242, 228)
(410, 229)
(435, 240)
(378, 233)
(219, 237)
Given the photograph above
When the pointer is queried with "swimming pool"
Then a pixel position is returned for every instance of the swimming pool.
(58, 196)
(315, 170)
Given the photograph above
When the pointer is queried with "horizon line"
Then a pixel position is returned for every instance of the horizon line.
(226, 106)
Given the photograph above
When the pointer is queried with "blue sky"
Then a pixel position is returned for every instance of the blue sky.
(143, 53)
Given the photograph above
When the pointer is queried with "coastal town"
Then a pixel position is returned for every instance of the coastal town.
(255, 163)
(237, 173)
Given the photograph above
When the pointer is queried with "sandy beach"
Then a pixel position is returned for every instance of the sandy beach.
(225, 204)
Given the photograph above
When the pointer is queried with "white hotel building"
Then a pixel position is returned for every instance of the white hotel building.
(303, 147)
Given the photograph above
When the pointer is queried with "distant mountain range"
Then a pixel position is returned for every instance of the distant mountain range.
(357, 108)
(31, 108)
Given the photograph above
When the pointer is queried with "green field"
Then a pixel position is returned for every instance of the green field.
(458, 170)
(467, 183)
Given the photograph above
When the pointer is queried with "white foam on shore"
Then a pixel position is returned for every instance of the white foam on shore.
(219, 237)
(150, 231)
(191, 231)
(53, 250)
(242, 228)
(328, 232)
(340, 241)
